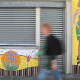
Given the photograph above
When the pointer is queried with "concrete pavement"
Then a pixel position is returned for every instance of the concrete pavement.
(64, 77)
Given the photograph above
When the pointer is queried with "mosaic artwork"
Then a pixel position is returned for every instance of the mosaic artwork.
(76, 37)
(17, 59)
(11, 60)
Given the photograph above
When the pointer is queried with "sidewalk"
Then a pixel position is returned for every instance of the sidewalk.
(67, 77)
(64, 77)
(71, 77)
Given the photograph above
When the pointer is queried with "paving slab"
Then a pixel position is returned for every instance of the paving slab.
(64, 77)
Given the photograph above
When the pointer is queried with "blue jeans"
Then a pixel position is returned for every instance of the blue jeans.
(44, 73)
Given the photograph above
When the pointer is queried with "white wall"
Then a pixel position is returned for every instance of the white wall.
(68, 34)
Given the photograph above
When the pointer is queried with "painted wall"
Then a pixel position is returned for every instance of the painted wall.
(76, 37)
(18, 59)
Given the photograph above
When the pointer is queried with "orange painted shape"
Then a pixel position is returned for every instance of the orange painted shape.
(4, 57)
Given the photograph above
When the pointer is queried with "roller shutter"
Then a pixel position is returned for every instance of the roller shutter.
(17, 26)
(55, 16)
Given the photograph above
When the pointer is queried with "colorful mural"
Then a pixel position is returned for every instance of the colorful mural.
(10, 60)
(17, 59)
(76, 36)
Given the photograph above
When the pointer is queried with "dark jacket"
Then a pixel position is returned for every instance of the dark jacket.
(53, 46)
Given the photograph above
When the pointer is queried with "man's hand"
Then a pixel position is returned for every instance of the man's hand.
(53, 64)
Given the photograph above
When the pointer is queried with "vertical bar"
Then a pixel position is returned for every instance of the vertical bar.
(16, 73)
(19, 72)
(30, 71)
(0, 71)
(34, 71)
(22, 72)
(13, 73)
(26, 71)
(38, 26)
(76, 69)
(72, 69)
(10, 73)
(6, 73)
(68, 38)
(79, 69)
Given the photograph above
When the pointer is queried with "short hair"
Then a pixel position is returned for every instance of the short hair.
(46, 25)
(79, 3)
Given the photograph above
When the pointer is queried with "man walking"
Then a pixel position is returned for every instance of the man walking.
(52, 48)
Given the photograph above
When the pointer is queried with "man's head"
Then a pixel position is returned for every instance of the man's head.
(46, 28)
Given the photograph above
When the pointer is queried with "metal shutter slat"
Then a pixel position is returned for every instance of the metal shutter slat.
(15, 21)
(17, 26)
(55, 17)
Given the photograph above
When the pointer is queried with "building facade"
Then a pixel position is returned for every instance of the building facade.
(20, 26)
